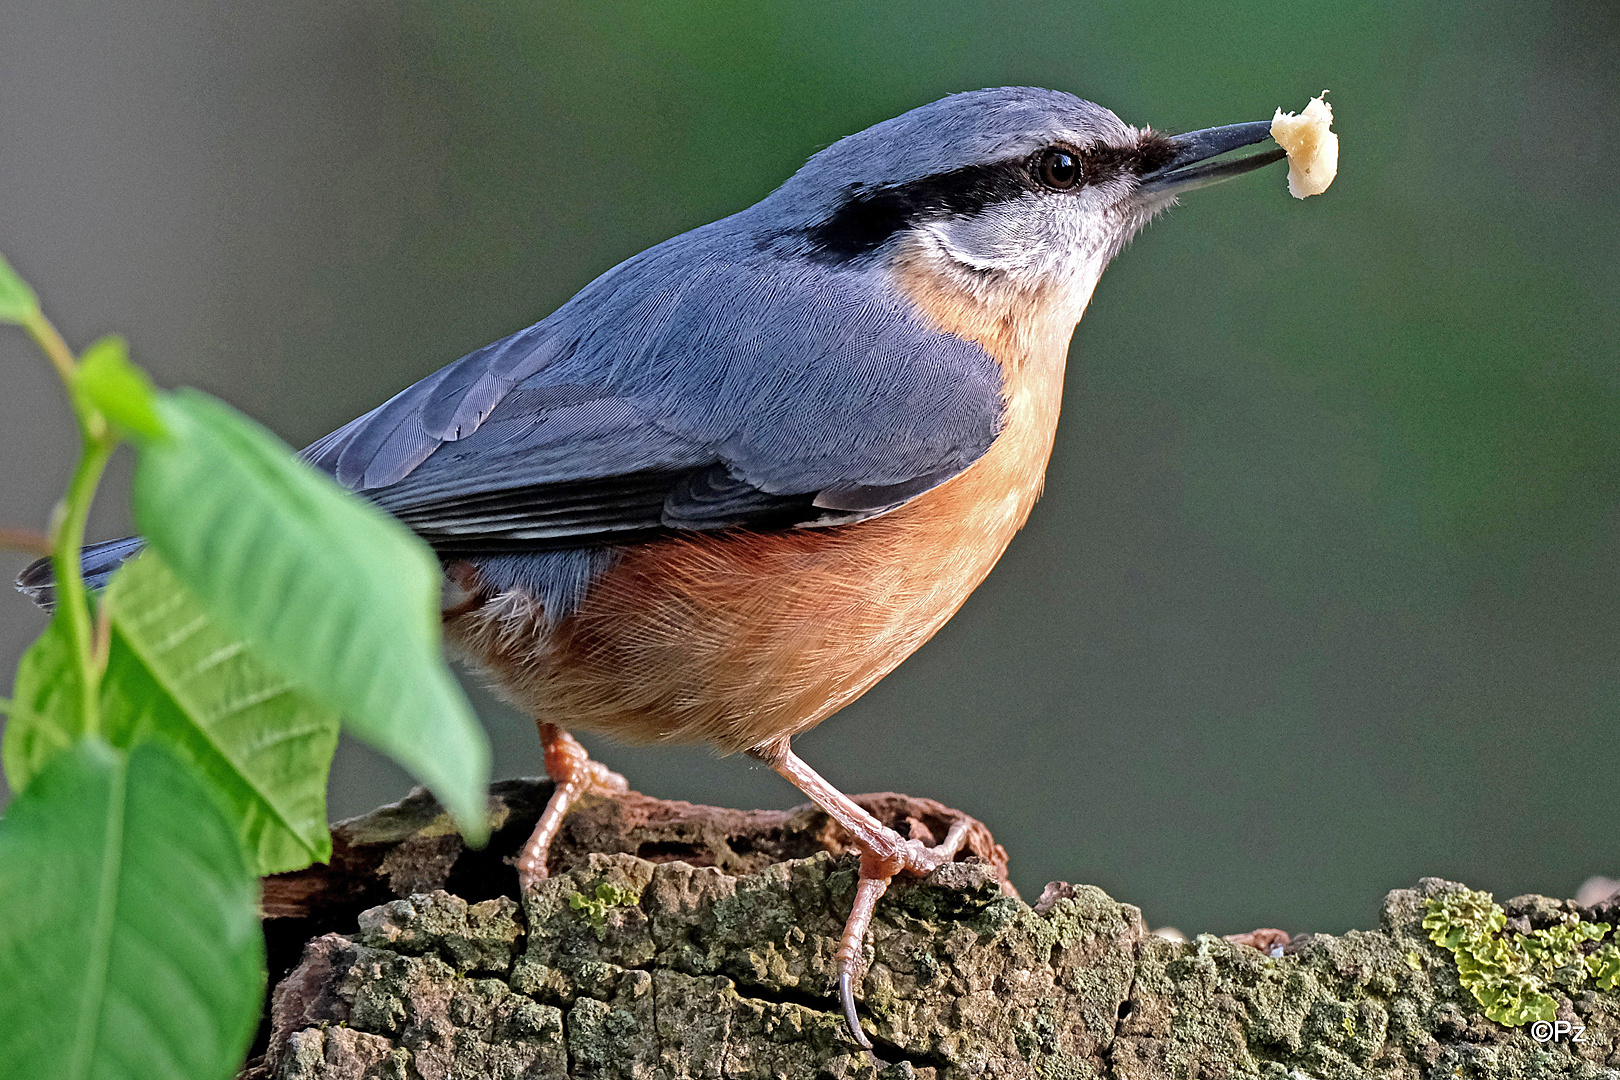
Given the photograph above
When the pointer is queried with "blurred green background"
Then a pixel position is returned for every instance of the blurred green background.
(1322, 595)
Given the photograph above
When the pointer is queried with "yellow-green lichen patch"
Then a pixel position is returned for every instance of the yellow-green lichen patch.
(1510, 973)
(1604, 967)
(606, 896)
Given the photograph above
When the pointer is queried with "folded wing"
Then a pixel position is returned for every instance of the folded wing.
(686, 389)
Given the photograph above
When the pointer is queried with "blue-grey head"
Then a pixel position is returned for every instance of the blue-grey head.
(1016, 188)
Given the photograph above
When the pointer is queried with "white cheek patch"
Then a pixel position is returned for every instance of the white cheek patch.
(990, 240)
(1032, 237)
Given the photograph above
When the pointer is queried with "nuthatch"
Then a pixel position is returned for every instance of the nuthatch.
(741, 476)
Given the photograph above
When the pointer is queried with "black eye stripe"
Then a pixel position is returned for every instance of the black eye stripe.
(868, 217)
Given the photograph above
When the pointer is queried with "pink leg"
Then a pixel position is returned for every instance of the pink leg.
(884, 853)
(574, 773)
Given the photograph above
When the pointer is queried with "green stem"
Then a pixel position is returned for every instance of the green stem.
(72, 601)
(51, 344)
(96, 442)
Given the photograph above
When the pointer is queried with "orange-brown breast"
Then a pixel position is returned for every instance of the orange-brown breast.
(741, 638)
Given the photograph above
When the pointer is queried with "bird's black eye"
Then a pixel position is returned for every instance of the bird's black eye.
(1057, 168)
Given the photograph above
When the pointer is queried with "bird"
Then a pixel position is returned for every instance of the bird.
(739, 477)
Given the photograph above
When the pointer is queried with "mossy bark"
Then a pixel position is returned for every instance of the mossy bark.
(699, 943)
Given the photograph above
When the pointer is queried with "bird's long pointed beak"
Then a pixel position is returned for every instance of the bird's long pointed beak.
(1192, 166)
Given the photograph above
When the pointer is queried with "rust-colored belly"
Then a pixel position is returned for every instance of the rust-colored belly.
(740, 638)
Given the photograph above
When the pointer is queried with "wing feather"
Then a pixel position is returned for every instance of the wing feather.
(686, 389)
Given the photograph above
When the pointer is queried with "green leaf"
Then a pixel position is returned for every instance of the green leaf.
(326, 588)
(18, 303)
(175, 676)
(46, 716)
(129, 942)
(119, 390)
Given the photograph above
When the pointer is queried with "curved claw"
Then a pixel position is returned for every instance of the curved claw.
(846, 994)
(884, 853)
(954, 839)
(873, 883)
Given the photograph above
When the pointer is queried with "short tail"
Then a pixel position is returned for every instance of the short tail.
(98, 561)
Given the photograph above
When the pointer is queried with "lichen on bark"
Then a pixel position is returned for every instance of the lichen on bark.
(670, 970)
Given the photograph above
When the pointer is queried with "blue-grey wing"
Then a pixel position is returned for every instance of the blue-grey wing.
(687, 388)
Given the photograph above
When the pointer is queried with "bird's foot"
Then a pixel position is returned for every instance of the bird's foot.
(572, 773)
(884, 853)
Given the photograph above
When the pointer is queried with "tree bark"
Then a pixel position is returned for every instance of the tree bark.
(676, 941)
